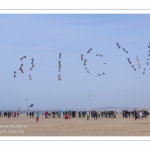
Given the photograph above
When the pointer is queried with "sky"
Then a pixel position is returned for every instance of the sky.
(44, 36)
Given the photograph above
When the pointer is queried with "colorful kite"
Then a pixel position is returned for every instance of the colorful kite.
(21, 68)
(59, 68)
(59, 77)
(138, 61)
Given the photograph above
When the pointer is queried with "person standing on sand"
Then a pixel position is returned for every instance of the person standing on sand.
(37, 116)
(33, 114)
(30, 114)
(88, 115)
(17, 113)
(135, 113)
(2, 114)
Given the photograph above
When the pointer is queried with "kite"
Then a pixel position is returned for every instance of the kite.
(133, 67)
(22, 57)
(86, 68)
(89, 50)
(59, 56)
(82, 57)
(32, 67)
(101, 74)
(14, 74)
(88, 71)
(99, 55)
(90, 95)
(149, 46)
(144, 71)
(32, 61)
(85, 62)
(125, 50)
(59, 67)
(21, 68)
(30, 77)
(129, 60)
(138, 61)
(31, 105)
(118, 45)
(59, 63)
(148, 62)
(104, 63)
(59, 77)
(26, 99)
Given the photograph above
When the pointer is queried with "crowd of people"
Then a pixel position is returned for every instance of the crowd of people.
(81, 114)
(9, 114)
(137, 114)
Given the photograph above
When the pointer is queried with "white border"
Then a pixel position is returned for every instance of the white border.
(75, 11)
(74, 7)
(74, 138)
(74, 4)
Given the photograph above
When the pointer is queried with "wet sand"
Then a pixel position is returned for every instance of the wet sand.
(26, 126)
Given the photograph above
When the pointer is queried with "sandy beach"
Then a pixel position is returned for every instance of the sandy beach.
(25, 126)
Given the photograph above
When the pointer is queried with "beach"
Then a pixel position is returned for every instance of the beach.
(26, 126)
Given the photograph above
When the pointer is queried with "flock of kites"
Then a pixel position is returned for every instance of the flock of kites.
(59, 66)
(21, 69)
(144, 69)
(85, 60)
